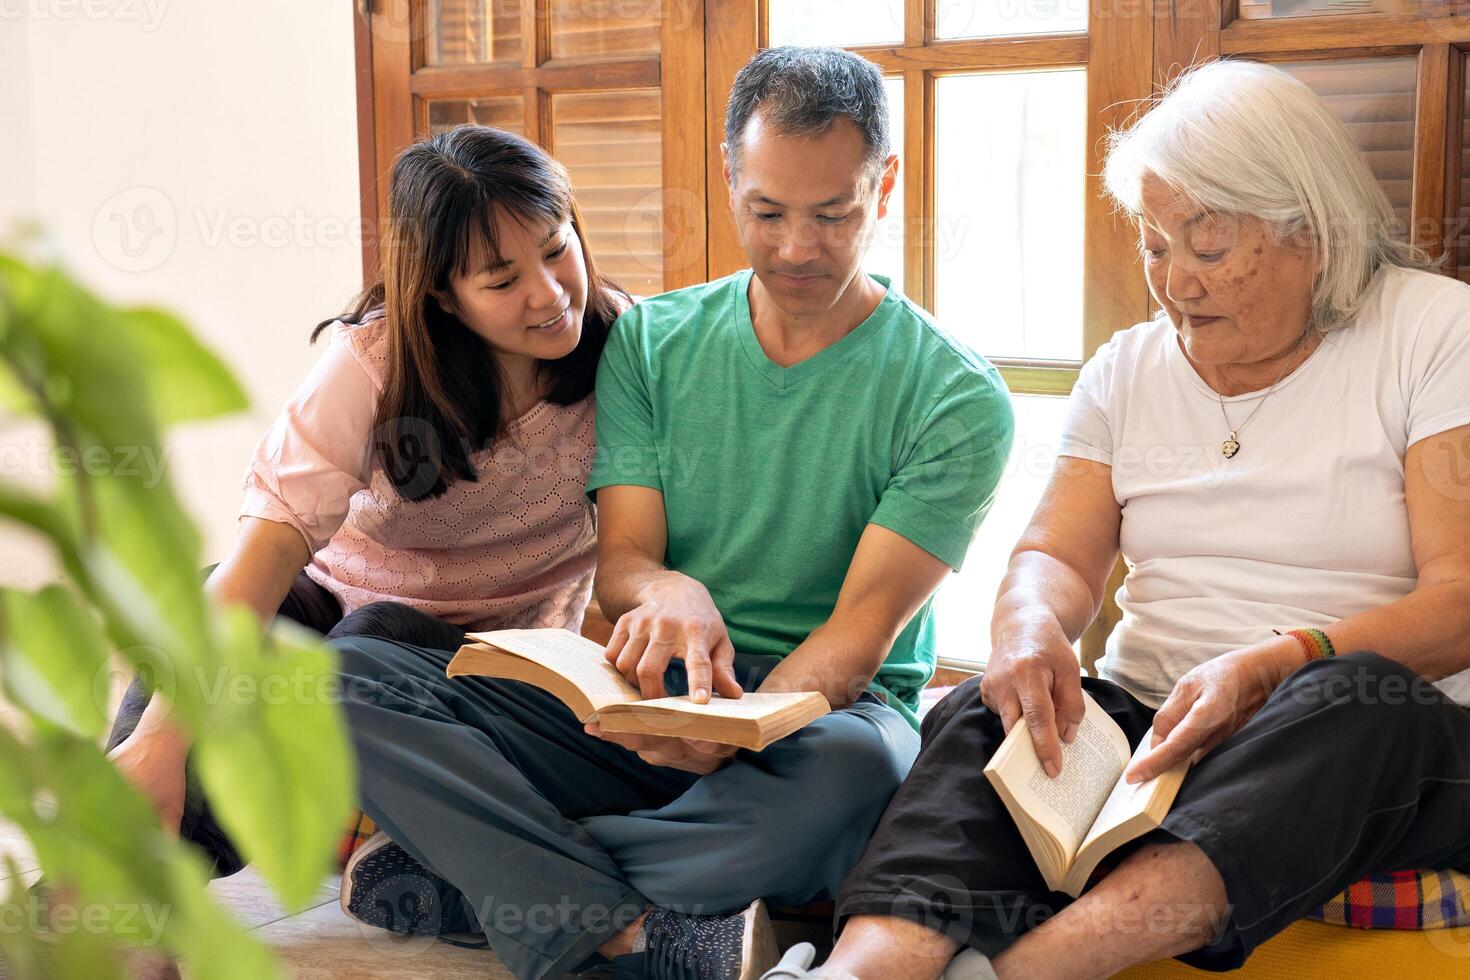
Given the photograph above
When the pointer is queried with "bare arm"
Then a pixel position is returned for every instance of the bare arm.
(258, 572)
(1052, 590)
(660, 615)
(887, 581)
(1425, 630)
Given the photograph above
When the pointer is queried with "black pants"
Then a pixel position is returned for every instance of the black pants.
(1354, 766)
(317, 609)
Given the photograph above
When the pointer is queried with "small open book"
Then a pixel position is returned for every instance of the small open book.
(1072, 822)
(572, 668)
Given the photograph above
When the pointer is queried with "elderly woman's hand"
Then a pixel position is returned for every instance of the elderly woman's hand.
(1035, 675)
(1213, 701)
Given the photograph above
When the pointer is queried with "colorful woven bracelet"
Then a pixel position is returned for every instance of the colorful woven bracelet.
(1314, 643)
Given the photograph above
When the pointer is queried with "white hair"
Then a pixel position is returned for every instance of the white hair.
(1248, 139)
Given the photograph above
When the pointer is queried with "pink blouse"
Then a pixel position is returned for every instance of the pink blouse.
(515, 549)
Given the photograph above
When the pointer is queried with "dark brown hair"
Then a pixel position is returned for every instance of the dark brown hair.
(442, 388)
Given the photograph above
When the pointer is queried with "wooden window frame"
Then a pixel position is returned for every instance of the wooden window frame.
(1116, 48)
(395, 86)
(1205, 30)
(1128, 57)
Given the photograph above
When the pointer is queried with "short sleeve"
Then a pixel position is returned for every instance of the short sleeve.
(626, 453)
(316, 455)
(1088, 432)
(946, 483)
(1438, 368)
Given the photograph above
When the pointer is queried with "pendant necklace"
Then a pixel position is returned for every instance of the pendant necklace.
(1231, 445)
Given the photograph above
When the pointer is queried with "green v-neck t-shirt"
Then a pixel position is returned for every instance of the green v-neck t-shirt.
(770, 474)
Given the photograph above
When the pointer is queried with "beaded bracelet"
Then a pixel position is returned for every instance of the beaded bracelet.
(1314, 643)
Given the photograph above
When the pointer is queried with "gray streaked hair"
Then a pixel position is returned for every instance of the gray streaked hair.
(801, 91)
(1248, 139)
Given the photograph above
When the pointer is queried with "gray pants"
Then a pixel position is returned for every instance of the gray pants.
(558, 840)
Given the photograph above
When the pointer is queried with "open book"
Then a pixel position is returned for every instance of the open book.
(1072, 822)
(572, 668)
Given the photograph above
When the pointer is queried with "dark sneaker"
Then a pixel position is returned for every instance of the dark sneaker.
(383, 886)
(738, 946)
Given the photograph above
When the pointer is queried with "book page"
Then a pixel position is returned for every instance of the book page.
(1069, 804)
(1127, 799)
(574, 657)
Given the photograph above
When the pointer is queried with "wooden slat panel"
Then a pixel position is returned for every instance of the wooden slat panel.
(1263, 9)
(463, 32)
(469, 81)
(620, 196)
(1375, 99)
(603, 29)
(503, 112)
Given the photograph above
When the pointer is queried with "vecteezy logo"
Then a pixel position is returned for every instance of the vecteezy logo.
(135, 230)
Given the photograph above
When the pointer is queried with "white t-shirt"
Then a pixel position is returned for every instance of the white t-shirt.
(1307, 524)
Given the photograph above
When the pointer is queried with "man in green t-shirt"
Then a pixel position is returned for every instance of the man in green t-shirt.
(790, 461)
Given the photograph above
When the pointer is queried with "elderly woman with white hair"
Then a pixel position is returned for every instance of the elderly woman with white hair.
(1282, 457)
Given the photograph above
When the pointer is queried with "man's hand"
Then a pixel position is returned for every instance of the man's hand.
(153, 761)
(1213, 701)
(679, 622)
(689, 754)
(1037, 677)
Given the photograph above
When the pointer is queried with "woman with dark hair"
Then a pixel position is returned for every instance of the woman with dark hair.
(427, 478)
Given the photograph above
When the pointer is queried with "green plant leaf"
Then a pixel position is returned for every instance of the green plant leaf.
(278, 766)
(75, 949)
(76, 351)
(185, 380)
(51, 651)
(142, 563)
(21, 956)
(14, 399)
(37, 514)
(96, 836)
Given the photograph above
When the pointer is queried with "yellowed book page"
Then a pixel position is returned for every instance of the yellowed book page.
(1128, 800)
(1091, 765)
(574, 657)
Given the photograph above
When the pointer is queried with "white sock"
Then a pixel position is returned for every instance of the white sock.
(969, 964)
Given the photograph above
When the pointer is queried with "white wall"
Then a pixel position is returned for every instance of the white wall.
(196, 154)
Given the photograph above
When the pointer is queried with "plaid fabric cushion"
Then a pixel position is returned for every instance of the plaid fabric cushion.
(359, 828)
(1402, 900)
